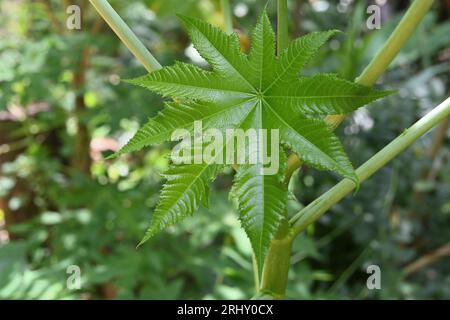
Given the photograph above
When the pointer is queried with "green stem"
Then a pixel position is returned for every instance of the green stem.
(126, 35)
(276, 266)
(227, 16)
(379, 63)
(282, 26)
(396, 41)
(391, 48)
(318, 207)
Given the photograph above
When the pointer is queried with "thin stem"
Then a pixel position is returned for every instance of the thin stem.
(126, 35)
(382, 60)
(391, 48)
(396, 41)
(349, 271)
(318, 207)
(282, 26)
(227, 16)
(426, 260)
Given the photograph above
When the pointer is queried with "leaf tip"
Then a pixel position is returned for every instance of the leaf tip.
(336, 31)
(113, 155)
(386, 93)
(135, 81)
(185, 20)
(149, 234)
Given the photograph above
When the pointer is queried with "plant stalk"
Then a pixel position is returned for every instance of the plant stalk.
(126, 35)
(396, 41)
(391, 48)
(318, 207)
(227, 16)
(276, 265)
(282, 26)
(380, 62)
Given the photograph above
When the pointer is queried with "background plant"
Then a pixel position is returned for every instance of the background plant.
(397, 240)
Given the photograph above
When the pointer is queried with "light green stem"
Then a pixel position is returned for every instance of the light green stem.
(126, 35)
(318, 207)
(227, 16)
(396, 41)
(378, 64)
(369, 76)
(390, 49)
(276, 266)
(282, 26)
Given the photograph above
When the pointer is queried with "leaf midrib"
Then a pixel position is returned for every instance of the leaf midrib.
(263, 189)
(211, 164)
(225, 59)
(156, 137)
(242, 94)
(325, 97)
(279, 76)
(306, 140)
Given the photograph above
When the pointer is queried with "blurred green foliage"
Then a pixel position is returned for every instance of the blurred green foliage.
(53, 215)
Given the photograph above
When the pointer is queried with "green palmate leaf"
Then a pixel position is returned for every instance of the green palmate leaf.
(178, 115)
(262, 205)
(254, 91)
(221, 51)
(261, 198)
(187, 81)
(299, 52)
(262, 58)
(186, 188)
(322, 94)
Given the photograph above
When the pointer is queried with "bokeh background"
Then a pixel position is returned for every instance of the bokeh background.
(63, 109)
